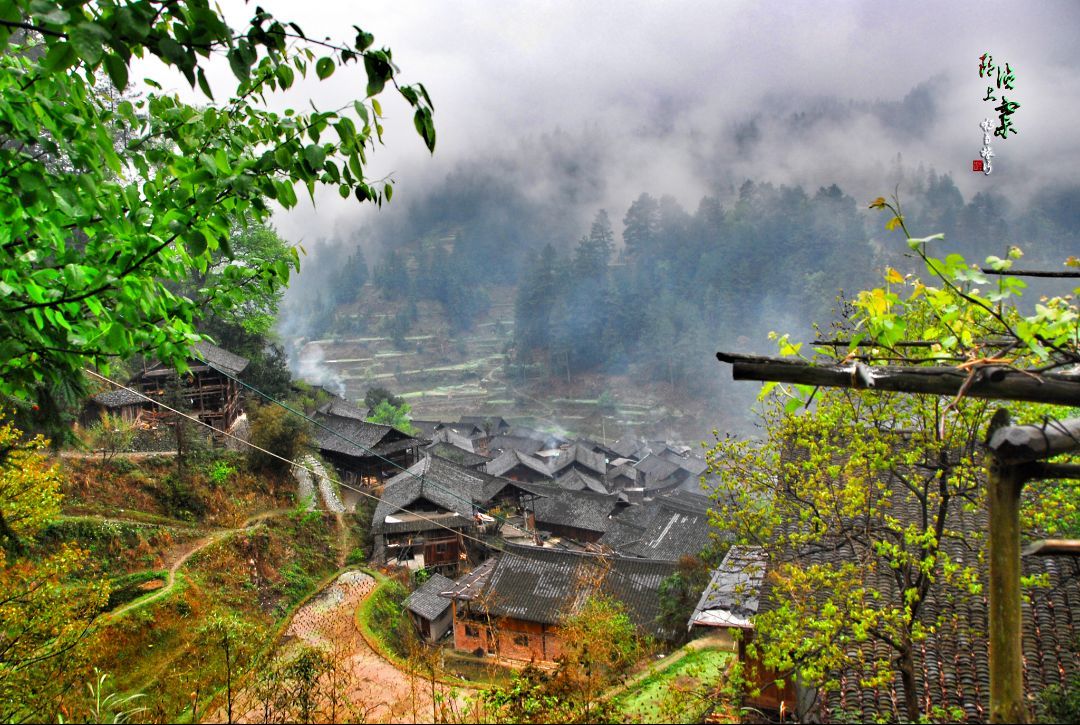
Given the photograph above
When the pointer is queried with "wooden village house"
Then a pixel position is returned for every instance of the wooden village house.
(207, 391)
(431, 613)
(511, 605)
(951, 663)
(432, 514)
(365, 454)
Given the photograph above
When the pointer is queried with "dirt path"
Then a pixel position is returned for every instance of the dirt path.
(131, 455)
(191, 549)
(377, 687)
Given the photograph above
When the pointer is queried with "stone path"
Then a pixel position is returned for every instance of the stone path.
(306, 486)
(305, 490)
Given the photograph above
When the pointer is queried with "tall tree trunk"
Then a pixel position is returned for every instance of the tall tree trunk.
(907, 677)
(228, 680)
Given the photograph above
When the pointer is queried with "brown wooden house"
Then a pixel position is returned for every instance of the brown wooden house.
(951, 663)
(429, 515)
(582, 516)
(424, 514)
(365, 454)
(511, 605)
(206, 390)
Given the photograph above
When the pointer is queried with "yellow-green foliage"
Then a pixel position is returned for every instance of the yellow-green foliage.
(880, 482)
(43, 613)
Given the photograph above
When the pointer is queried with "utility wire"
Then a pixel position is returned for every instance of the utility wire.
(602, 557)
(422, 478)
(279, 457)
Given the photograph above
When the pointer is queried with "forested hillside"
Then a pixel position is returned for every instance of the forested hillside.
(652, 290)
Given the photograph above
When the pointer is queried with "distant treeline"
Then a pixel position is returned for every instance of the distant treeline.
(660, 296)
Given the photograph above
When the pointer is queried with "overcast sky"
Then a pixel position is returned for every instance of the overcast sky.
(660, 91)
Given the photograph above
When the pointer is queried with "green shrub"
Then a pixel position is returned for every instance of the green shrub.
(356, 557)
(220, 472)
(124, 589)
(275, 429)
(111, 435)
(180, 498)
(388, 619)
(297, 581)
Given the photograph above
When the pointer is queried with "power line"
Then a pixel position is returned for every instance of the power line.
(601, 557)
(279, 457)
(422, 478)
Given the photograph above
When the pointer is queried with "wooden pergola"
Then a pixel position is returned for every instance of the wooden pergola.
(1016, 455)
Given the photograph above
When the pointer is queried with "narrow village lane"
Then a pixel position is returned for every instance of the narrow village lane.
(377, 687)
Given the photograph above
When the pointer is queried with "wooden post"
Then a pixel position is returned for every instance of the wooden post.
(1005, 483)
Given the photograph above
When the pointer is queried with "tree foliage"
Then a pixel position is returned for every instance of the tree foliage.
(276, 430)
(600, 644)
(680, 592)
(860, 504)
(865, 501)
(43, 615)
(391, 415)
(977, 318)
(93, 232)
(379, 394)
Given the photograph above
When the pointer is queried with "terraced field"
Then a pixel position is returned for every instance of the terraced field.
(444, 375)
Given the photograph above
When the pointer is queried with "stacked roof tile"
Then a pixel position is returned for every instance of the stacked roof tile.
(544, 585)
(428, 600)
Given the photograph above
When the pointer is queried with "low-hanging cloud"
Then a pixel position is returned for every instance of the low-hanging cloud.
(660, 92)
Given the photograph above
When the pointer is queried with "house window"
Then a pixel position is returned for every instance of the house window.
(521, 640)
(440, 548)
(471, 631)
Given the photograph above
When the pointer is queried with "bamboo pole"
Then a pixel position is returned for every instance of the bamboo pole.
(993, 382)
(1016, 454)
(1005, 483)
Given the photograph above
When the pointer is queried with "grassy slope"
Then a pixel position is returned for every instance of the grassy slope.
(676, 692)
(136, 522)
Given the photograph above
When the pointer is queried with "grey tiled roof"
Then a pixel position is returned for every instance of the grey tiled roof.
(656, 468)
(577, 509)
(448, 435)
(445, 489)
(575, 480)
(219, 358)
(427, 600)
(457, 455)
(119, 398)
(673, 534)
(543, 585)
(731, 598)
(449, 486)
(359, 438)
(627, 446)
(341, 407)
(664, 528)
(623, 471)
(690, 463)
(694, 501)
(509, 460)
(581, 455)
(471, 585)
